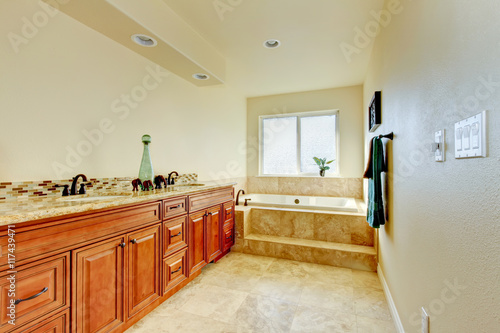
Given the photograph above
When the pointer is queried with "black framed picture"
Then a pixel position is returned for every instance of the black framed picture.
(375, 111)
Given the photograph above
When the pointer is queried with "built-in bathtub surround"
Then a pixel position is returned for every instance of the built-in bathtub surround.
(338, 239)
(314, 186)
(346, 229)
(33, 189)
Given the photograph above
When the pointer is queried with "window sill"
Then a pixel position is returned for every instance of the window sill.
(298, 176)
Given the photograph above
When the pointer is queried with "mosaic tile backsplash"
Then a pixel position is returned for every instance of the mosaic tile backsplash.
(33, 189)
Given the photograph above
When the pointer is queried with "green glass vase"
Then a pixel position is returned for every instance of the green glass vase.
(146, 170)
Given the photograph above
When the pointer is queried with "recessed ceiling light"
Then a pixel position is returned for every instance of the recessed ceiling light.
(201, 76)
(272, 43)
(144, 40)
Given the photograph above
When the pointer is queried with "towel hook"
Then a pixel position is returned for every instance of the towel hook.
(389, 136)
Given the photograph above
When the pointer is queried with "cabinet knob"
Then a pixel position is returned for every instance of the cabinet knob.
(133, 241)
(122, 245)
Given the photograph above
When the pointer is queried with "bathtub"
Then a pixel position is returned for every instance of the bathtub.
(300, 202)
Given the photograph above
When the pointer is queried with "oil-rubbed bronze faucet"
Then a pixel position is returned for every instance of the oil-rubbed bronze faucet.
(171, 182)
(65, 192)
(82, 185)
(238, 196)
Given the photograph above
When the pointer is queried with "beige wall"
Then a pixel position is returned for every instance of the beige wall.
(431, 62)
(347, 100)
(66, 78)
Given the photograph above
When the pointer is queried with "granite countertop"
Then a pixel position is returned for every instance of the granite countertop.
(22, 210)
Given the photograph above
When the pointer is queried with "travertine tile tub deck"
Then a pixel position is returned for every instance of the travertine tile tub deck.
(246, 293)
(341, 239)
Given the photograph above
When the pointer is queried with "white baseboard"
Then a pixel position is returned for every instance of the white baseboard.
(390, 301)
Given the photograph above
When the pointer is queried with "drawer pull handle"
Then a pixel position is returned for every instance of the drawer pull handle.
(180, 233)
(229, 237)
(133, 241)
(122, 245)
(31, 297)
(175, 207)
(178, 269)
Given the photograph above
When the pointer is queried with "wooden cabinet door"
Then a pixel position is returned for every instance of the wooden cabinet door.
(197, 249)
(214, 228)
(98, 286)
(144, 267)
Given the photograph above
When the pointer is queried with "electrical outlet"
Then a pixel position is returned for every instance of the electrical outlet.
(425, 321)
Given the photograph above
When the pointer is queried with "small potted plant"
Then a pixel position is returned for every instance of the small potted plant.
(322, 163)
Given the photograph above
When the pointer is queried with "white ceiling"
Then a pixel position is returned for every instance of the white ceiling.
(311, 33)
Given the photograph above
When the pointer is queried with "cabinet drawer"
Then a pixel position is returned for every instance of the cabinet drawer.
(228, 212)
(57, 324)
(205, 200)
(174, 235)
(228, 240)
(175, 270)
(39, 290)
(174, 207)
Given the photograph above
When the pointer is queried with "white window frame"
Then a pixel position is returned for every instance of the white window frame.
(301, 115)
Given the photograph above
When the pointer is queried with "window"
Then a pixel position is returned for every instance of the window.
(289, 142)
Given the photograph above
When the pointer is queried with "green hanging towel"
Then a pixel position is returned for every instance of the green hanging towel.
(375, 211)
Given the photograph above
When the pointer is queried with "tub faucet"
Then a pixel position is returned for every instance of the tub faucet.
(246, 201)
(82, 185)
(171, 182)
(238, 196)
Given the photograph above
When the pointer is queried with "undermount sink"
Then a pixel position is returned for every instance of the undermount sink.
(95, 198)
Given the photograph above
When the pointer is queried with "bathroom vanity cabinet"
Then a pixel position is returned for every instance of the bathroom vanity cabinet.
(103, 270)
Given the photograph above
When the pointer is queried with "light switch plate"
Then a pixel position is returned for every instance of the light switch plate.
(440, 153)
(470, 137)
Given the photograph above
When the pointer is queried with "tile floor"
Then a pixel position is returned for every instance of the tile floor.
(247, 293)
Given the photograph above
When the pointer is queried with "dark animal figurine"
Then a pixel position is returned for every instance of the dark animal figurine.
(158, 180)
(136, 183)
(147, 185)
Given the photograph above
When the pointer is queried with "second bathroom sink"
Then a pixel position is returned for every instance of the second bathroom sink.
(95, 198)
